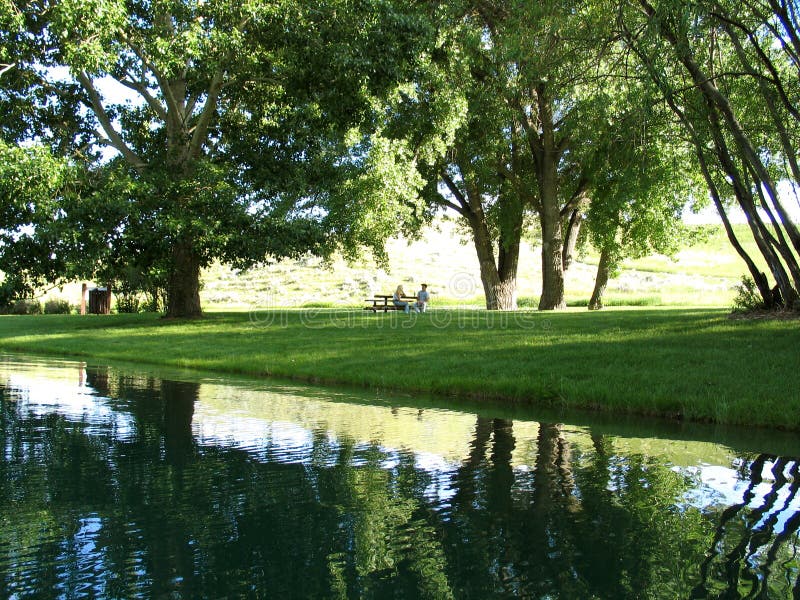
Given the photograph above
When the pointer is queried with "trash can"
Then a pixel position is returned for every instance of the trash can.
(100, 301)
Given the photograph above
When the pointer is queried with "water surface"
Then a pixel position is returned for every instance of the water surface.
(118, 483)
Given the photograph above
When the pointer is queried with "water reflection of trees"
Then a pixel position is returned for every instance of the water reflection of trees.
(746, 545)
(151, 514)
(577, 525)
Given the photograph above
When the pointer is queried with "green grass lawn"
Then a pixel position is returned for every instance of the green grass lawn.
(694, 364)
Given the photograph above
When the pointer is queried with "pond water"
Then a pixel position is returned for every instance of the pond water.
(119, 483)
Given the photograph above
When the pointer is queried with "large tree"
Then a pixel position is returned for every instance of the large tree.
(728, 71)
(235, 114)
(641, 177)
(527, 78)
(479, 143)
(555, 67)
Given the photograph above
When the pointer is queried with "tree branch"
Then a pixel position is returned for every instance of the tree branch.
(172, 104)
(141, 89)
(445, 202)
(464, 208)
(191, 103)
(114, 138)
(204, 121)
(765, 60)
(577, 197)
(207, 113)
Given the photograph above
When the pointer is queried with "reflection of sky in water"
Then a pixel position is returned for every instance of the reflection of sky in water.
(281, 441)
(36, 396)
(278, 441)
(723, 486)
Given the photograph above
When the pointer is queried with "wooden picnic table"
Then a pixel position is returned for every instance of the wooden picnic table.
(385, 302)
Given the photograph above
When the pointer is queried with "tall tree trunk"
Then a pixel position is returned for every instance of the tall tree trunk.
(183, 293)
(500, 289)
(719, 107)
(707, 86)
(490, 278)
(573, 229)
(759, 277)
(499, 278)
(508, 261)
(768, 94)
(547, 155)
(710, 122)
(743, 192)
(552, 297)
(601, 279)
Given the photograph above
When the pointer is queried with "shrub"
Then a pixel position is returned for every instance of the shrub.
(26, 307)
(128, 303)
(748, 298)
(57, 306)
(528, 302)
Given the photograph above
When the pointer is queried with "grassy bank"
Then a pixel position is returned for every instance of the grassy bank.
(680, 363)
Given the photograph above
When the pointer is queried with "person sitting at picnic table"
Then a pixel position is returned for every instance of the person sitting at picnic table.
(397, 300)
(422, 298)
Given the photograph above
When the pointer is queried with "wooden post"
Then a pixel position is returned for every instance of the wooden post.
(83, 298)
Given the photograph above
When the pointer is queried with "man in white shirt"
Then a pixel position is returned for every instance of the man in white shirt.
(422, 298)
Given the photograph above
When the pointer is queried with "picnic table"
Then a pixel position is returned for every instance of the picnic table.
(385, 303)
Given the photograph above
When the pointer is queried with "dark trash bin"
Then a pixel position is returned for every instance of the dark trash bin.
(100, 301)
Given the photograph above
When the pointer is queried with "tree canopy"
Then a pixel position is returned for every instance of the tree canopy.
(239, 120)
(172, 133)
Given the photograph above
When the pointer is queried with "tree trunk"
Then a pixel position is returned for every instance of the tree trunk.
(700, 146)
(743, 193)
(552, 297)
(483, 247)
(573, 229)
(508, 263)
(720, 107)
(183, 294)
(707, 86)
(601, 280)
(759, 277)
(506, 294)
(547, 155)
(499, 282)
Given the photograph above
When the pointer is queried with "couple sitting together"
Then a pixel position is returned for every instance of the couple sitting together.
(420, 305)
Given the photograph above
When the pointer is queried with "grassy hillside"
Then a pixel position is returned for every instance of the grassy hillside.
(443, 257)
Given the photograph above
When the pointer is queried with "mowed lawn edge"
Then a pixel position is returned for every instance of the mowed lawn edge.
(693, 364)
